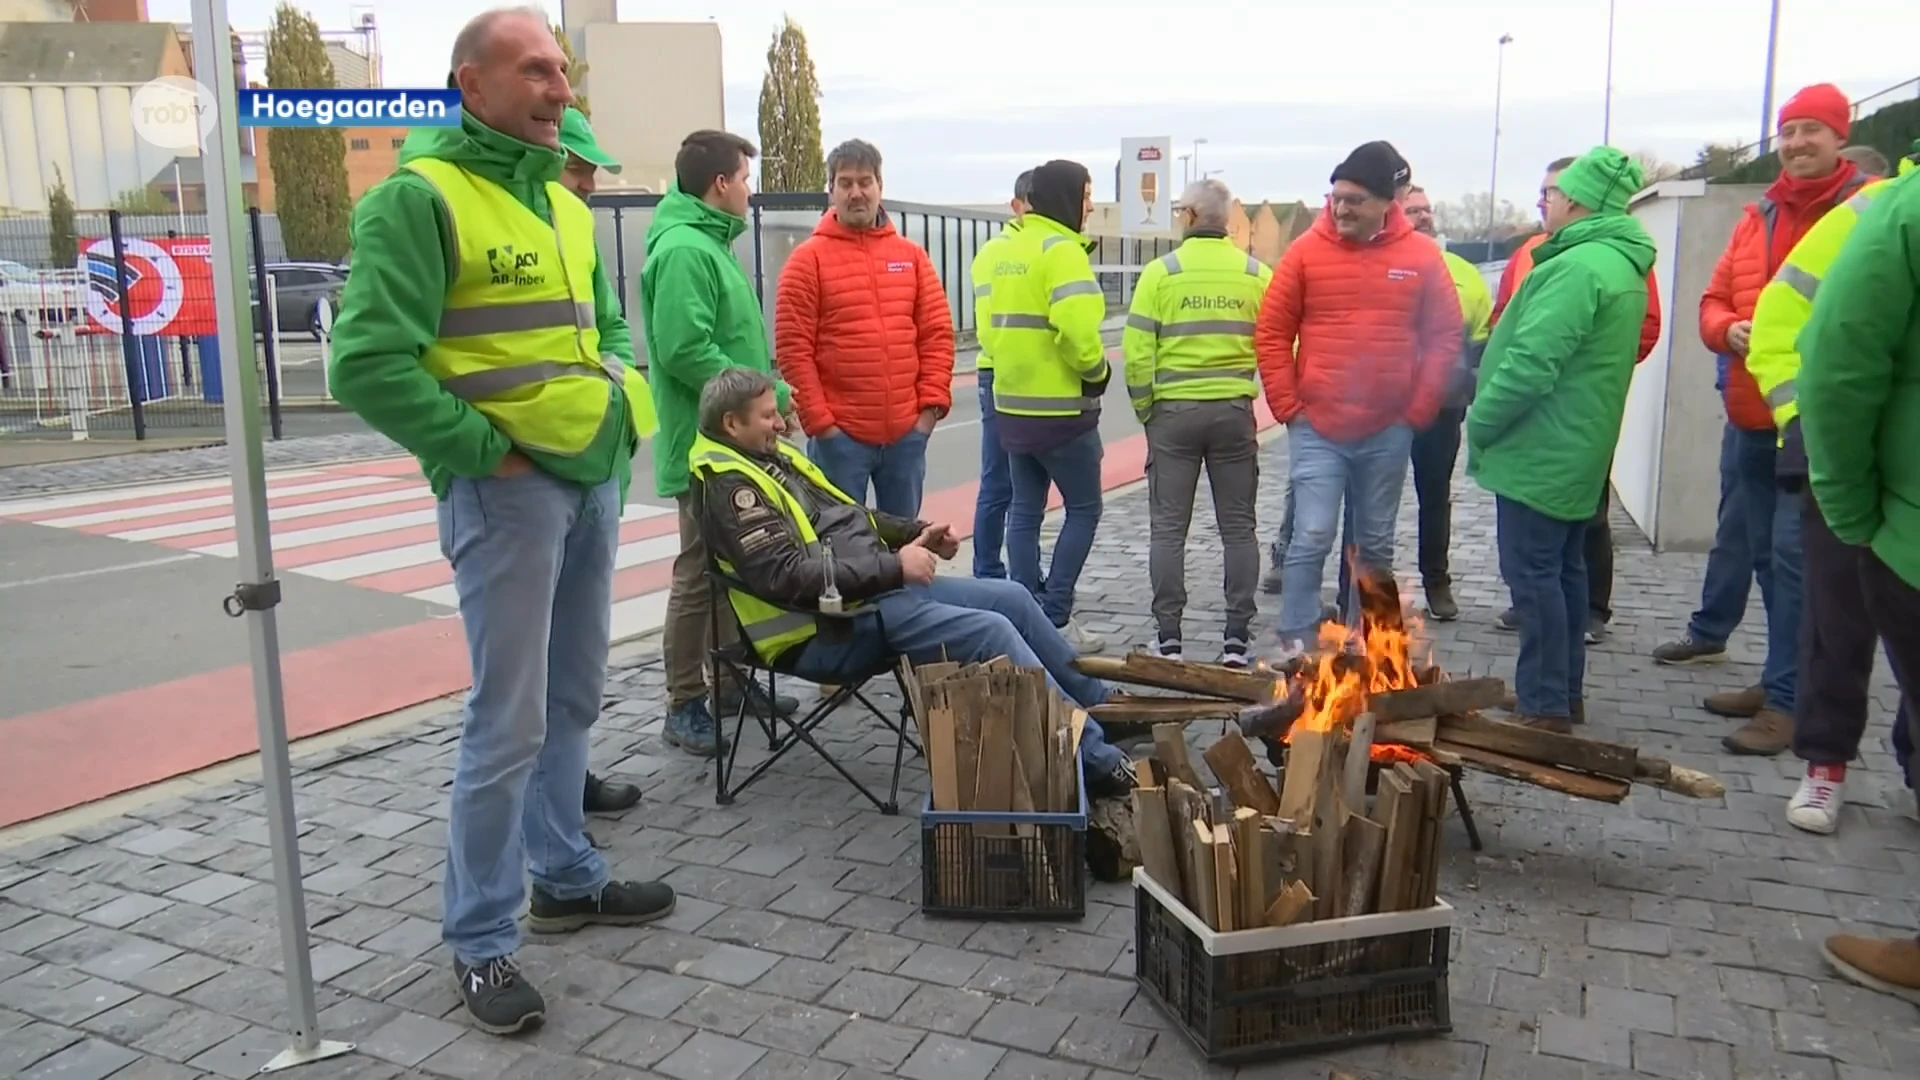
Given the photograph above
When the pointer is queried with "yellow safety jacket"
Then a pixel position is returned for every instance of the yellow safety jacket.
(981, 274)
(1476, 302)
(772, 630)
(518, 337)
(1044, 323)
(1189, 332)
(1785, 305)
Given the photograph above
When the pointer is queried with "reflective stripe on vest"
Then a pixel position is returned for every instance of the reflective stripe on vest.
(518, 339)
(771, 630)
(1038, 364)
(1232, 373)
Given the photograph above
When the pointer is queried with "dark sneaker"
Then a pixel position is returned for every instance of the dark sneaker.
(1236, 652)
(499, 997)
(783, 704)
(1115, 783)
(609, 796)
(1737, 704)
(618, 903)
(1596, 630)
(1441, 604)
(1769, 732)
(1689, 651)
(691, 728)
(1508, 621)
(1167, 648)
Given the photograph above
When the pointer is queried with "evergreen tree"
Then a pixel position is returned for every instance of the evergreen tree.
(576, 71)
(309, 164)
(63, 238)
(790, 156)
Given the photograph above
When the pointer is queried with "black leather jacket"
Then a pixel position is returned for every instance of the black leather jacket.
(765, 549)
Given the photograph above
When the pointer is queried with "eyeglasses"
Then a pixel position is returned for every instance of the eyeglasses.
(1339, 199)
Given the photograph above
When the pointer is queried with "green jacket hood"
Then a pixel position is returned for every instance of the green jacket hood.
(679, 209)
(485, 152)
(1618, 231)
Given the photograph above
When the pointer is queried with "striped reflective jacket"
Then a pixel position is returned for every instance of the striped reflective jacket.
(1044, 323)
(1189, 332)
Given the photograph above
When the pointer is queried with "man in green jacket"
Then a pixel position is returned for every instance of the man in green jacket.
(701, 316)
(479, 331)
(1859, 391)
(1546, 415)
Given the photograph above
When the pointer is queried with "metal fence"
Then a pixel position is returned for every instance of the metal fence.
(1866, 106)
(121, 343)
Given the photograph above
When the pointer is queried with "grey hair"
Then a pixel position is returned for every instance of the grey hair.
(470, 44)
(1210, 201)
(853, 154)
(728, 394)
(1868, 159)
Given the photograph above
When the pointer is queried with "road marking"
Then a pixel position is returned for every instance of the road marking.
(133, 513)
(322, 533)
(118, 494)
(373, 562)
(283, 513)
(74, 575)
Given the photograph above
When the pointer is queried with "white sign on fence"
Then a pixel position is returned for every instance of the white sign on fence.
(1146, 186)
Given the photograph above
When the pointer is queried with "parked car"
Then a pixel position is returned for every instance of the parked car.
(298, 288)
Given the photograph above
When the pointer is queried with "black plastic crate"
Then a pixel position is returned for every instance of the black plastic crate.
(992, 865)
(1250, 995)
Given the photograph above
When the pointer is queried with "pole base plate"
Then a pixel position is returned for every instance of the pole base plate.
(294, 1056)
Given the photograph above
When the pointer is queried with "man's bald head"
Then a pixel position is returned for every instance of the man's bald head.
(512, 74)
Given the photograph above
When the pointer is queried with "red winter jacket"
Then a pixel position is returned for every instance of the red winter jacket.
(1521, 263)
(1753, 253)
(862, 333)
(1377, 326)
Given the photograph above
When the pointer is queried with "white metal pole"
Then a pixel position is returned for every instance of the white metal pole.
(258, 592)
(1606, 116)
(179, 195)
(1493, 178)
(1766, 94)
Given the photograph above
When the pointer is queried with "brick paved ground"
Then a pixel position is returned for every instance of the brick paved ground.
(1663, 937)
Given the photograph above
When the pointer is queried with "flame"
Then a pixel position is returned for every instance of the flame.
(1385, 653)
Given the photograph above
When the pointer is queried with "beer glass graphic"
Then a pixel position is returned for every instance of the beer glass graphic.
(1149, 193)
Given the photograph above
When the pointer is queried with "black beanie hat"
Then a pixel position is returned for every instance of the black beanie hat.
(1376, 166)
(1060, 192)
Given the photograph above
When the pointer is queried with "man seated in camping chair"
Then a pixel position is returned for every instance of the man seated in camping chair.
(774, 521)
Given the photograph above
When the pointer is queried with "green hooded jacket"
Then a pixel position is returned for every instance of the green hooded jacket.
(403, 262)
(700, 316)
(1553, 383)
(1859, 383)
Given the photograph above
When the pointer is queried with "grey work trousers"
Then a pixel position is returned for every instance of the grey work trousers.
(1183, 436)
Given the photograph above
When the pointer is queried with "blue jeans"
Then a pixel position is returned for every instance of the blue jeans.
(965, 620)
(996, 490)
(1369, 474)
(897, 472)
(1543, 561)
(1073, 467)
(1743, 539)
(1780, 675)
(533, 566)
(1346, 544)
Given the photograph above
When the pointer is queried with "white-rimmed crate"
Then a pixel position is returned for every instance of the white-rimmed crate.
(1278, 991)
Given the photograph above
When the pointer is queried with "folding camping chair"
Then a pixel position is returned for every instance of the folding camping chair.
(740, 664)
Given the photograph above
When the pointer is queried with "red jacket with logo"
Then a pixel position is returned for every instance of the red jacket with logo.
(1521, 261)
(1358, 336)
(862, 332)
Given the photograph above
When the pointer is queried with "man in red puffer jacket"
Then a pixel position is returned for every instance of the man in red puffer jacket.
(863, 335)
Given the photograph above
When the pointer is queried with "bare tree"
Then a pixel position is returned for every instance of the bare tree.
(1716, 159)
(1654, 168)
(1467, 218)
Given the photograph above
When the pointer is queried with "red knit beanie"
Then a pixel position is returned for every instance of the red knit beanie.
(1823, 102)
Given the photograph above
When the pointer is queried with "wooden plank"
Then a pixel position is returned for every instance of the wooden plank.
(1030, 693)
(1182, 805)
(995, 775)
(1422, 833)
(1171, 711)
(1294, 903)
(1306, 758)
(1396, 808)
(1364, 840)
(1329, 814)
(968, 695)
(1155, 838)
(1234, 766)
(1448, 698)
(1226, 882)
(1208, 680)
(1353, 785)
(1249, 853)
(1205, 901)
(1406, 733)
(916, 698)
(1543, 747)
(1170, 746)
(943, 760)
(1675, 778)
(1564, 781)
(1436, 780)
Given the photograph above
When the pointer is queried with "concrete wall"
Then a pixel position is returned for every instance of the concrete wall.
(1666, 470)
(651, 84)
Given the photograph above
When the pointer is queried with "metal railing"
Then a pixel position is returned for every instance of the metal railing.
(1872, 103)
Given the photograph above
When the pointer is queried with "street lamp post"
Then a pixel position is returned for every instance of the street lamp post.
(1186, 174)
(1766, 95)
(1197, 144)
(1606, 115)
(1493, 181)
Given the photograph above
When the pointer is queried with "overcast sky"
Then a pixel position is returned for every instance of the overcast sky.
(960, 95)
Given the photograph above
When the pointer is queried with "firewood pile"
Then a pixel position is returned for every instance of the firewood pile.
(1244, 855)
(997, 737)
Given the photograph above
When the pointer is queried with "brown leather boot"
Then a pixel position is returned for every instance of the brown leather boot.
(1737, 704)
(1559, 725)
(1769, 732)
(1891, 966)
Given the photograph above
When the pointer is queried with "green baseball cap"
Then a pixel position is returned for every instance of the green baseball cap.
(576, 138)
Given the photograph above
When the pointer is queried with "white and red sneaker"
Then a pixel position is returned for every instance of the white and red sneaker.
(1815, 808)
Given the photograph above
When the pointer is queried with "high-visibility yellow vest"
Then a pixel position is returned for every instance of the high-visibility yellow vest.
(518, 337)
(1189, 333)
(771, 630)
(981, 273)
(1476, 302)
(1044, 323)
(1785, 305)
